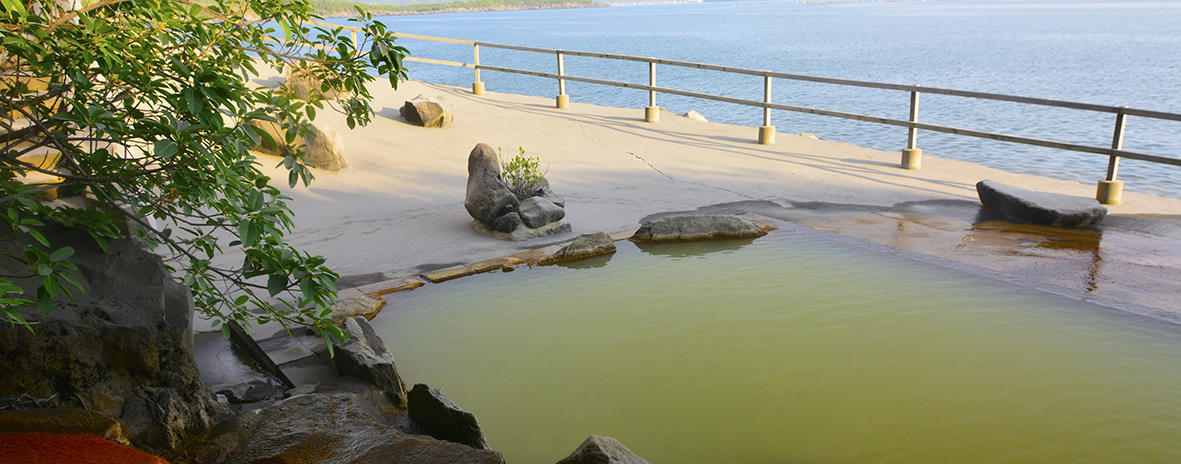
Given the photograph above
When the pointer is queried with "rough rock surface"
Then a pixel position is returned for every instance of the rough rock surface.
(695, 116)
(586, 245)
(523, 233)
(365, 356)
(698, 228)
(304, 85)
(1050, 209)
(335, 426)
(507, 223)
(602, 450)
(543, 190)
(323, 147)
(431, 408)
(428, 111)
(123, 348)
(250, 392)
(538, 211)
(487, 196)
(360, 305)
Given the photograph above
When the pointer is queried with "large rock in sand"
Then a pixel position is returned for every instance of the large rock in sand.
(1050, 209)
(428, 111)
(585, 246)
(538, 211)
(602, 450)
(323, 147)
(487, 197)
(698, 228)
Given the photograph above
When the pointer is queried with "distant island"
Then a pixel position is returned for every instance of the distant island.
(339, 9)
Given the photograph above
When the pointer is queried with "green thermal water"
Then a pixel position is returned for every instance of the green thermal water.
(790, 348)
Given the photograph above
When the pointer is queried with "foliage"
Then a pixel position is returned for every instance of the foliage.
(150, 104)
(522, 174)
(333, 7)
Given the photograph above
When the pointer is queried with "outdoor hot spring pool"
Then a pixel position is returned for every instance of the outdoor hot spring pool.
(791, 348)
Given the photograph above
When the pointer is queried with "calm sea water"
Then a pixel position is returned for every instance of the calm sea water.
(1103, 52)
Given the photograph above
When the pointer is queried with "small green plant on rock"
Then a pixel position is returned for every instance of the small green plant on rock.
(522, 174)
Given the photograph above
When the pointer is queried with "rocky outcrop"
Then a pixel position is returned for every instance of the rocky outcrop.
(340, 423)
(365, 356)
(602, 450)
(323, 146)
(585, 246)
(538, 211)
(428, 111)
(499, 213)
(122, 348)
(430, 407)
(359, 305)
(1050, 209)
(488, 198)
(698, 228)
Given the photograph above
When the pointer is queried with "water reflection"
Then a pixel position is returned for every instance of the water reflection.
(693, 249)
(587, 263)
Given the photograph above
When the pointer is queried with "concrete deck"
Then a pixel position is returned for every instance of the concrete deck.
(398, 210)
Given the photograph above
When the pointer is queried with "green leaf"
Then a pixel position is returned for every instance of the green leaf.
(165, 148)
(276, 283)
(44, 301)
(241, 300)
(16, 6)
(61, 254)
(248, 232)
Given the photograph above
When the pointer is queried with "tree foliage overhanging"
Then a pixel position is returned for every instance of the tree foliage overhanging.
(150, 105)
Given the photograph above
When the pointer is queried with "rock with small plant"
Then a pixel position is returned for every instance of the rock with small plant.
(511, 199)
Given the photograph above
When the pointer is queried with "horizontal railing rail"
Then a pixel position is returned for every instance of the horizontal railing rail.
(1109, 189)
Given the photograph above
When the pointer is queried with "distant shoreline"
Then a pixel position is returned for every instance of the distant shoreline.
(399, 12)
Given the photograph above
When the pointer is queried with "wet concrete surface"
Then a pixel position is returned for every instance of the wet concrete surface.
(1133, 259)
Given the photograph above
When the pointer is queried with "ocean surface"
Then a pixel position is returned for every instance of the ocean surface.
(1101, 52)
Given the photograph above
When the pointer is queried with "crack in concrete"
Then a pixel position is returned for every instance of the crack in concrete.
(654, 168)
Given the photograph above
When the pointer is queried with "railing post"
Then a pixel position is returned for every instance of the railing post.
(563, 99)
(912, 155)
(766, 131)
(652, 112)
(356, 46)
(1110, 190)
(477, 86)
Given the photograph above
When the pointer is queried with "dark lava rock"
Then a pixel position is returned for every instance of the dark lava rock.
(365, 356)
(487, 197)
(338, 427)
(538, 211)
(250, 392)
(543, 190)
(122, 348)
(1049, 209)
(428, 111)
(586, 245)
(506, 223)
(602, 450)
(698, 228)
(431, 408)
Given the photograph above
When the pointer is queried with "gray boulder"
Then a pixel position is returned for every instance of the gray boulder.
(366, 357)
(1050, 209)
(543, 190)
(586, 245)
(487, 196)
(122, 348)
(695, 116)
(428, 111)
(430, 407)
(698, 228)
(323, 146)
(538, 211)
(507, 223)
(338, 425)
(602, 450)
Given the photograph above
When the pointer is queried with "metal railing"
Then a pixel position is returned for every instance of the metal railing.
(1109, 189)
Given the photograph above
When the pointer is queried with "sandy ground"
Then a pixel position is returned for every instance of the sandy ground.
(398, 210)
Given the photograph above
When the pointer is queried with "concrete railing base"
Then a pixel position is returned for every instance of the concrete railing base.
(1110, 192)
(477, 88)
(912, 158)
(652, 113)
(563, 101)
(766, 135)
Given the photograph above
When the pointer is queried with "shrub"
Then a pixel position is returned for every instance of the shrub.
(522, 174)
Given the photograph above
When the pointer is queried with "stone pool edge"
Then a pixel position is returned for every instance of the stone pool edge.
(532, 257)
